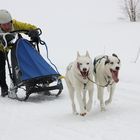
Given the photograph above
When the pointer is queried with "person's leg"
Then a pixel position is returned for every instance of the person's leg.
(4, 87)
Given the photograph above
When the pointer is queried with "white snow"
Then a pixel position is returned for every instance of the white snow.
(69, 26)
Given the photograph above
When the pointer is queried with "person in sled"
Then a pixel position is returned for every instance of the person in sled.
(7, 24)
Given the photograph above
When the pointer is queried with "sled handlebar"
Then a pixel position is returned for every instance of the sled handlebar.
(5, 38)
(27, 31)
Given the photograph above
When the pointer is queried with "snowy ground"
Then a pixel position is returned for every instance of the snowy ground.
(68, 27)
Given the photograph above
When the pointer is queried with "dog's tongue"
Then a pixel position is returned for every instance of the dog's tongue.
(115, 76)
(84, 73)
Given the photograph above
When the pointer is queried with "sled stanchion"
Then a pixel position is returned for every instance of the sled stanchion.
(9, 67)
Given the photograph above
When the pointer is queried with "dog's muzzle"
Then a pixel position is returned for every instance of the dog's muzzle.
(84, 73)
(115, 74)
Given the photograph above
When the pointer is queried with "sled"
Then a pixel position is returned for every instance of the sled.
(29, 70)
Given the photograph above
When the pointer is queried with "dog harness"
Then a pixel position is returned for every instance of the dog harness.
(98, 61)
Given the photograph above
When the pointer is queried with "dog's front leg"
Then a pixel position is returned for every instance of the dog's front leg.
(100, 97)
(81, 103)
(71, 91)
(111, 92)
(84, 97)
(89, 103)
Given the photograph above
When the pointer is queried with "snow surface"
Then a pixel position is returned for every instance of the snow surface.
(70, 26)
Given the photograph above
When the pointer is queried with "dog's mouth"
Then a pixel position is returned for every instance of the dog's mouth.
(115, 74)
(84, 74)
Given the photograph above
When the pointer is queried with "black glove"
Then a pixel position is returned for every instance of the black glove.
(1, 38)
(8, 37)
(34, 35)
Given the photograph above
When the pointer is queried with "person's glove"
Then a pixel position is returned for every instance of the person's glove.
(1, 39)
(34, 35)
(8, 37)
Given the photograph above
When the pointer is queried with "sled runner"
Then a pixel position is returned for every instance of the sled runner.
(29, 70)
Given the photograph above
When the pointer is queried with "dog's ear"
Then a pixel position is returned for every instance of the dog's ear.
(78, 55)
(107, 60)
(114, 55)
(87, 54)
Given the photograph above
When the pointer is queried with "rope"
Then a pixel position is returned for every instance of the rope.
(43, 43)
(108, 83)
(61, 77)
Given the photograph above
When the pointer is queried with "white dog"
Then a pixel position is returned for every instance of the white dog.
(106, 70)
(77, 78)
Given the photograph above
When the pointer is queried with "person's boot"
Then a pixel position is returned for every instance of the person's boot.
(4, 92)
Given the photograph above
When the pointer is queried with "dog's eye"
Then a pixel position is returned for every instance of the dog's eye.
(87, 63)
(118, 62)
(111, 63)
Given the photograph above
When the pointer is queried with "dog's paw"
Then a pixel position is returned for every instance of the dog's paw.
(103, 108)
(75, 113)
(88, 107)
(107, 102)
(83, 114)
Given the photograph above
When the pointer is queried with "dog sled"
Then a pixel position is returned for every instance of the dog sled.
(29, 70)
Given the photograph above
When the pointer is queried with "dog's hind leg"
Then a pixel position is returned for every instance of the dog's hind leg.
(112, 88)
(100, 97)
(71, 93)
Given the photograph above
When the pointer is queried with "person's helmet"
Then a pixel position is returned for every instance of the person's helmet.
(5, 16)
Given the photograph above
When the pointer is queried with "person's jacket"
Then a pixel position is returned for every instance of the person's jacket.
(17, 25)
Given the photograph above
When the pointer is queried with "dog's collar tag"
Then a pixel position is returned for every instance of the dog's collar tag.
(85, 85)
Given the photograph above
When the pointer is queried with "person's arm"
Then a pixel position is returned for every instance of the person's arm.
(33, 34)
(22, 26)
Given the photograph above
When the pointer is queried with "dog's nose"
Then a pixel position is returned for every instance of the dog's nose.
(117, 68)
(84, 69)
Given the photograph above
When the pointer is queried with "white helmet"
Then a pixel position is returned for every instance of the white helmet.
(5, 16)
